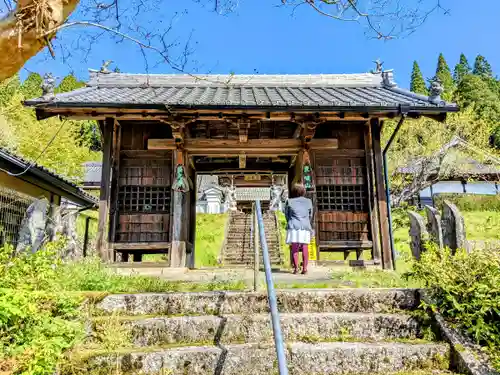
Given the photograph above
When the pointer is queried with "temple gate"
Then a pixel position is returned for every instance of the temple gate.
(159, 131)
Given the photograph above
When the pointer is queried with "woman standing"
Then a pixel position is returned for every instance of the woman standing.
(298, 213)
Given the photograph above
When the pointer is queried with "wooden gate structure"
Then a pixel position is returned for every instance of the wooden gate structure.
(158, 131)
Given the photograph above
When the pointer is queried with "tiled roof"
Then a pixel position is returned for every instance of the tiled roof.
(73, 192)
(455, 164)
(320, 91)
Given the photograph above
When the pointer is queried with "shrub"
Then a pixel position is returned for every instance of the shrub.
(37, 320)
(40, 304)
(470, 202)
(465, 289)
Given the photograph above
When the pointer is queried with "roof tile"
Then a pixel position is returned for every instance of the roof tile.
(314, 91)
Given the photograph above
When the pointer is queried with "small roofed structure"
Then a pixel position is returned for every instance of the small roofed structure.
(456, 173)
(160, 131)
(37, 181)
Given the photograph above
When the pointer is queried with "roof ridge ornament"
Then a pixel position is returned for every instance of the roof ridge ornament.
(435, 90)
(48, 85)
(388, 78)
(104, 68)
(378, 68)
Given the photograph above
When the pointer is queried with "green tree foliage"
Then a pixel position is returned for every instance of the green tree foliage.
(417, 83)
(24, 135)
(461, 69)
(32, 86)
(476, 92)
(69, 83)
(7, 89)
(444, 74)
(482, 67)
(88, 135)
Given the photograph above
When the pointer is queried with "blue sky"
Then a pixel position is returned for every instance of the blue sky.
(260, 37)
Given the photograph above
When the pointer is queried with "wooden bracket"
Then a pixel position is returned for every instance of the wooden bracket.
(243, 160)
(178, 134)
(309, 131)
(298, 130)
(243, 126)
(178, 130)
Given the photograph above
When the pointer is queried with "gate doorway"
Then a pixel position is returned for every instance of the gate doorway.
(225, 216)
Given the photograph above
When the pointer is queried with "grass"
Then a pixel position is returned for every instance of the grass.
(210, 230)
(91, 275)
(482, 225)
(479, 225)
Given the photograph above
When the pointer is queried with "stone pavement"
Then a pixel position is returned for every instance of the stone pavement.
(316, 275)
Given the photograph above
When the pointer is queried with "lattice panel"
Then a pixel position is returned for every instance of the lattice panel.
(145, 172)
(343, 226)
(13, 206)
(342, 198)
(341, 172)
(143, 228)
(147, 199)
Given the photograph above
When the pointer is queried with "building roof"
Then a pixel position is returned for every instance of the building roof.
(45, 178)
(327, 92)
(456, 164)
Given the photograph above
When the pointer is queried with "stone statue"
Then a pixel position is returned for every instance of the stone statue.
(231, 197)
(182, 182)
(32, 232)
(276, 197)
(436, 90)
(71, 251)
(48, 85)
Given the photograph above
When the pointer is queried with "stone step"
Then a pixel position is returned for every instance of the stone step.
(249, 260)
(256, 328)
(289, 301)
(251, 359)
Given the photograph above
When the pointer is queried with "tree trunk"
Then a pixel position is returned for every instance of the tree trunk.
(24, 31)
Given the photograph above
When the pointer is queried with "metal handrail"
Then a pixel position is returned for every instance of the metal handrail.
(271, 294)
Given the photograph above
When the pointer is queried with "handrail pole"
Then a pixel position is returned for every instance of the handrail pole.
(271, 294)
(255, 249)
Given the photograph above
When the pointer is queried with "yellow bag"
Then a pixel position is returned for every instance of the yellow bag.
(312, 249)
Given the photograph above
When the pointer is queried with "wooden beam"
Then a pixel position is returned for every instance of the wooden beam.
(179, 223)
(161, 144)
(324, 144)
(206, 114)
(341, 245)
(242, 161)
(234, 147)
(372, 200)
(115, 175)
(381, 197)
(105, 189)
(141, 246)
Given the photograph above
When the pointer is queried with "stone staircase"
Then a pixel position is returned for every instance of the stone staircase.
(334, 331)
(238, 248)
